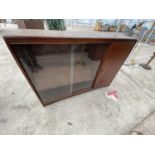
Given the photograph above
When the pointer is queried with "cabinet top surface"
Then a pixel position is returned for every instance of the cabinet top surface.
(66, 34)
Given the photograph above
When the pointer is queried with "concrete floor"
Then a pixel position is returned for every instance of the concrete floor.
(89, 113)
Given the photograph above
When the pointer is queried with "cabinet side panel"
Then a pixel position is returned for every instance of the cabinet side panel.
(115, 57)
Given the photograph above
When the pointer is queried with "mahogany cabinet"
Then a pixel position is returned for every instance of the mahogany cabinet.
(60, 64)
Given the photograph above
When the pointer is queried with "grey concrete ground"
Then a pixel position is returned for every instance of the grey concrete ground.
(89, 113)
(146, 127)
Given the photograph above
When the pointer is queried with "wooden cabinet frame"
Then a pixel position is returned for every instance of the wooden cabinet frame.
(116, 52)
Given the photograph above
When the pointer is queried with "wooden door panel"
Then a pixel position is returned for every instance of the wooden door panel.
(112, 62)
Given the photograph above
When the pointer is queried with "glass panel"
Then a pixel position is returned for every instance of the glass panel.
(87, 58)
(58, 70)
(48, 67)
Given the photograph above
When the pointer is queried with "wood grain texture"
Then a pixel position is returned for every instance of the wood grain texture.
(112, 62)
(67, 34)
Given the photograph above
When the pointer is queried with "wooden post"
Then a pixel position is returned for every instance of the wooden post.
(147, 66)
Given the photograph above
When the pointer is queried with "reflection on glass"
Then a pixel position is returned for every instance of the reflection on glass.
(86, 62)
(59, 70)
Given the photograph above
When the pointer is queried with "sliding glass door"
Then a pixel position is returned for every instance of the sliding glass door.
(60, 70)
